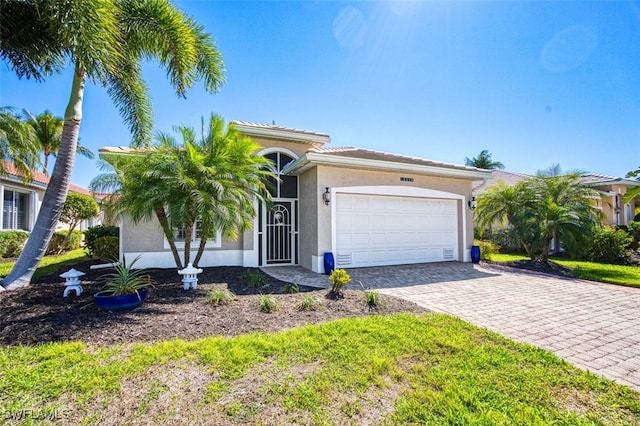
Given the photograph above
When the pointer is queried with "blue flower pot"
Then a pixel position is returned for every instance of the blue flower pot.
(329, 263)
(475, 254)
(105, 300)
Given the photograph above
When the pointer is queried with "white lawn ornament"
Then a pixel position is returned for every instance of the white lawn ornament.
(190, 278)
(72, 282)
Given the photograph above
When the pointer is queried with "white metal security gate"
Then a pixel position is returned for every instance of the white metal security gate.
(280, 232)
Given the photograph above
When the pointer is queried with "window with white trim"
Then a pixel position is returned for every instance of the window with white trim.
(180, 235)
(15, 210)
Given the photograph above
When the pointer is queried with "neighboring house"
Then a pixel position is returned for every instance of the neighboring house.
(21, 201)
(368, 208)
(612, 190)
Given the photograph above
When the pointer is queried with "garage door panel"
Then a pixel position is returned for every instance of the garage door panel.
(385, 230)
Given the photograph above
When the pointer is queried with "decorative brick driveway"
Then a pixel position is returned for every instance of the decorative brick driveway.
(594, 326)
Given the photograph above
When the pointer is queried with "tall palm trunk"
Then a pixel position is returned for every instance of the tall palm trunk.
(56, 193)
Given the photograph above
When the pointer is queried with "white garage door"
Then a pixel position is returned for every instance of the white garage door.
(373, 230)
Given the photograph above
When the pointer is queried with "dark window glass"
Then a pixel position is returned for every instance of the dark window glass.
(272, 186)
(273, 157)
(286, 186)
(289, 186)
(21, 211)
(284, 160)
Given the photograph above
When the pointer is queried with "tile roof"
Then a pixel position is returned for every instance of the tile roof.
(510, 178)
(594, 178)
(277, 127)
(43, 179)
(366, 154)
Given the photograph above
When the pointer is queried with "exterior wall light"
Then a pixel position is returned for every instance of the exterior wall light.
(472, 203)
(326, 196)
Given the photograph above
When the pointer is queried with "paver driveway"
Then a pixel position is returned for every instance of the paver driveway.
(594, 326)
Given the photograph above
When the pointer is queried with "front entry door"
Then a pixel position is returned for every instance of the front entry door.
(280, 227)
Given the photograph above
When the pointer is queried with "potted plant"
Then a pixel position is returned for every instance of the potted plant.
(124, 288)
(339, 278)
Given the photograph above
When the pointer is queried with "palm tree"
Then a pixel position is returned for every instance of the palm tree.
(200, 185)
(16, 143)
(47, 130)
(632, 192)
(506, 205)
(105, 41)
(483, 161)
(540, 209)
(566, 209)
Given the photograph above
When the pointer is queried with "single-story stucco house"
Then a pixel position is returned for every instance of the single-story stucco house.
(367, 208)
(21, 200)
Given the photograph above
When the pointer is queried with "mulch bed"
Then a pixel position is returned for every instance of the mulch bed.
(39, 313)
(536, 266)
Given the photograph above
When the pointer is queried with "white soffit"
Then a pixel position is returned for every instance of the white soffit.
(311, 159)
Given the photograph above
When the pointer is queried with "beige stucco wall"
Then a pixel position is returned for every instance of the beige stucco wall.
(297, 148)
(147, 236)
(310, 205)
(314, 182)
(608, 204)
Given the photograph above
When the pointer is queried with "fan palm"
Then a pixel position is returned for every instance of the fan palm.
(105, 41)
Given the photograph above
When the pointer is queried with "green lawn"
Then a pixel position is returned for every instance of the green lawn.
(399, 369)
(603, 272)
(48, 263)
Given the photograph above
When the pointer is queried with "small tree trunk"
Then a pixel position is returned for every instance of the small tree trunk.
(56, 193)
(544, 256)
(67, 237)
(201, 246)
(527, 249)
(164, 223)
(188, 234)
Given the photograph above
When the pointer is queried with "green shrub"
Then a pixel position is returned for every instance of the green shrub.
(578, 246)
(12, 242)
(91, 235)
(255, 277)
(291, 288)
(505, 239)
(373, 298)
(634, 230)
(308, 303)
(125, 279)
(339, 278)
(106, 247)
(220, 296)
(487, 248)
(609, 246)
(268, 303)
(57, 239)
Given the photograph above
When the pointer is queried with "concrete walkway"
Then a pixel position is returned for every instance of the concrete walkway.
(594, 326)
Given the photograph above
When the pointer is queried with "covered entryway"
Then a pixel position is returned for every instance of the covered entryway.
(278, 227)
(376, 230)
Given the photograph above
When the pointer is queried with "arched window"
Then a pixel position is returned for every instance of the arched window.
(287, 186)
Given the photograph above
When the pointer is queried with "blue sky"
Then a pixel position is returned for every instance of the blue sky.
(535, 83)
